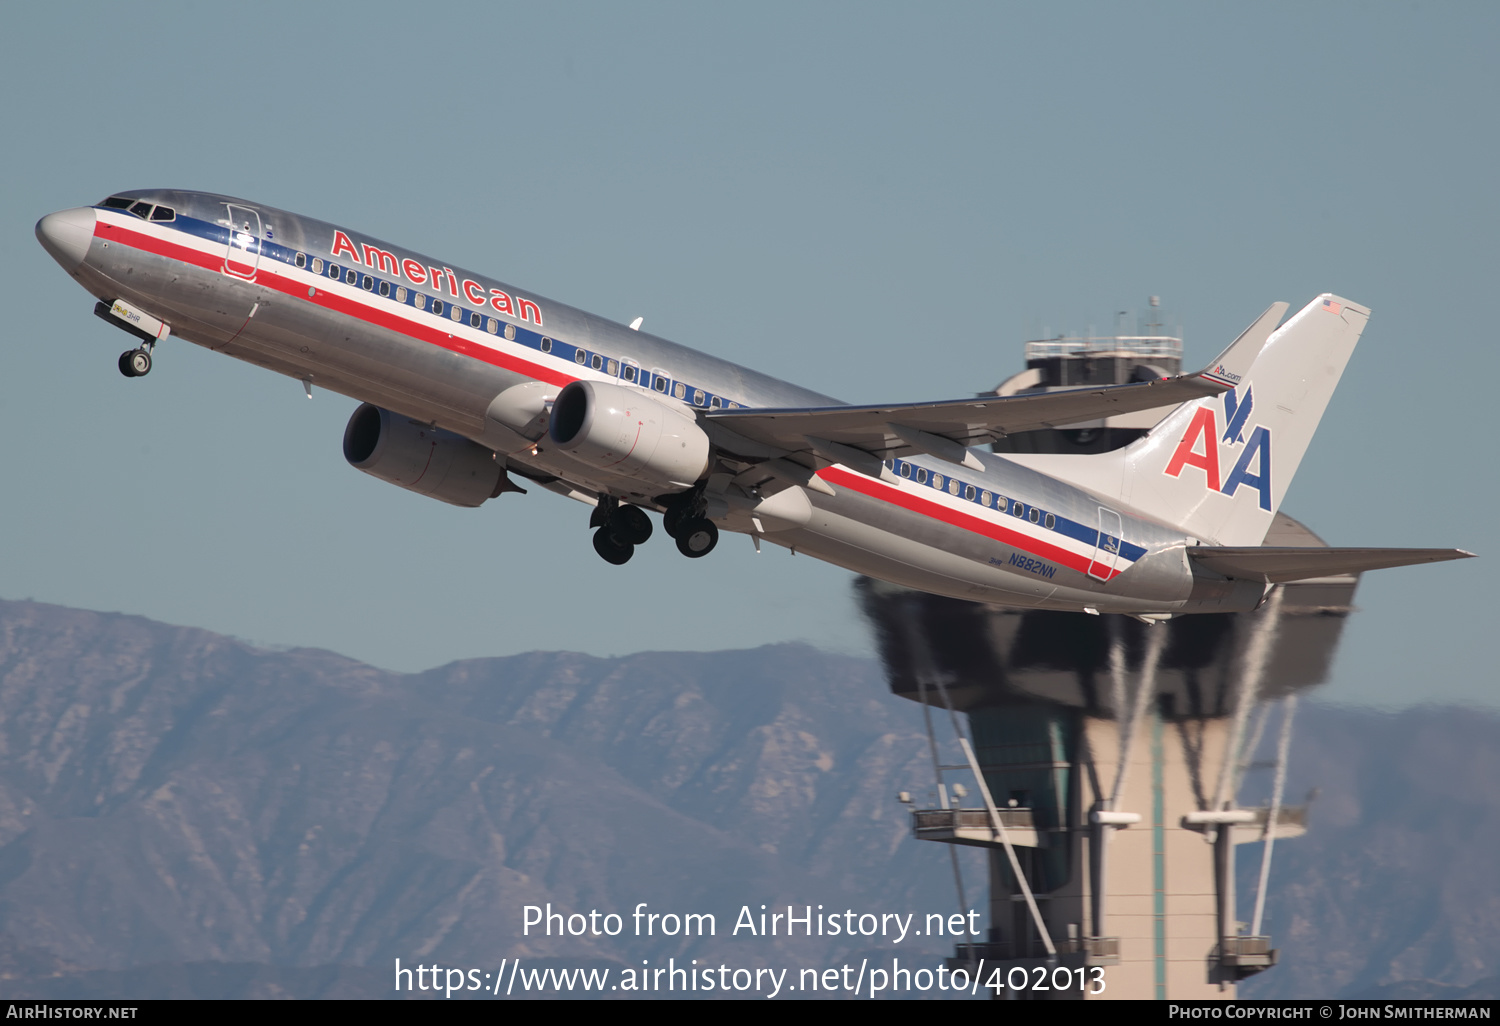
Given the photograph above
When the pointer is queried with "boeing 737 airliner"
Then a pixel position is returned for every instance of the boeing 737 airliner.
(465, 380)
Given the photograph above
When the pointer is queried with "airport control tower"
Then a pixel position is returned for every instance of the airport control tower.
(1099, 759)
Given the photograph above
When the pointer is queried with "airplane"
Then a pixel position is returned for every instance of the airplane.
(464, 380)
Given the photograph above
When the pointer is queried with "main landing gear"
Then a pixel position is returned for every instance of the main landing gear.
(619, 528)
(135, 363)
(695, 534)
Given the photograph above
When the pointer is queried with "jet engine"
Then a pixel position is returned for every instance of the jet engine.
(422, 459)
(624, 431)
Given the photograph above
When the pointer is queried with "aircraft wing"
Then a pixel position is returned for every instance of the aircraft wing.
(1277, 564)
(945, 429)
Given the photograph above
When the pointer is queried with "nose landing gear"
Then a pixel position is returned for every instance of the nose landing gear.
(135, 363)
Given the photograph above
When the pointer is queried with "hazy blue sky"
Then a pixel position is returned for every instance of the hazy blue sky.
(878, 201)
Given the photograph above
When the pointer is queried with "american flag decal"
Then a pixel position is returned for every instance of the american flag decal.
(1331, 306)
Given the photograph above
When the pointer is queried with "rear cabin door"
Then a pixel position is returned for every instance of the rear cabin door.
(1107, 551)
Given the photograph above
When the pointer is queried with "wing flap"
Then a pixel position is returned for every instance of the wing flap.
(1277, 564)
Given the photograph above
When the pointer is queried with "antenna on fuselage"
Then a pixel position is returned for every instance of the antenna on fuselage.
(635, 325)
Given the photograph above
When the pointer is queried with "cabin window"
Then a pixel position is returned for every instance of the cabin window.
(333, 271)
(401, 293)
(117, 203)
(713, 402)
(952, 487)
(1018, 508)
(163, 214)
(579, 356)
(660, 384)
(385, 289)
(474, 320)
(317, 265)
(1035, 515)
(1051, 522)
(679, 390)
(301, 260)
(419, 301)
(969, 492)
(455, 312)
(492, 326)
(611, 368)
(510, 333)
(349, 276)
(937, 480)
(697, 397)
(546, 342)
(906, 470)
(921, 476)
(141, 209)
(734, 406)
(437, 307)
(986, 498)
(627, 373)
(367, 283)
(1000, 502)
(597, 362)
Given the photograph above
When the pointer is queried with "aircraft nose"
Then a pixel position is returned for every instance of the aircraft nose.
(66, 235)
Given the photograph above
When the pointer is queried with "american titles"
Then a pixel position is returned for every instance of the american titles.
(439, 279)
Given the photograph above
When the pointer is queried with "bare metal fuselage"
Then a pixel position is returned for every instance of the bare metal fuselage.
(340, 311)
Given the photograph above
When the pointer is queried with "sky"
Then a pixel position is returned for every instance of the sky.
(878, 201)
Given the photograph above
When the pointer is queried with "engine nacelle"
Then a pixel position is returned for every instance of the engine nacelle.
(624, 431)
(422, 459)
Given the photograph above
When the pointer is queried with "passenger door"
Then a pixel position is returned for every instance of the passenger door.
(242, 257)
(1107, 551)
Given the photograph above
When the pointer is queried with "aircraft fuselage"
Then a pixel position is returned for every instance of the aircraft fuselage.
(437, 344)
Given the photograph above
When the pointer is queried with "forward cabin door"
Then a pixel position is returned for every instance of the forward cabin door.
(242, 258)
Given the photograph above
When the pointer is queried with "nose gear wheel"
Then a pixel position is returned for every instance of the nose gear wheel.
(135, 363)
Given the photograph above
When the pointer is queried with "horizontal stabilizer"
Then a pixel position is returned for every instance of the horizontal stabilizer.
(1275, 565)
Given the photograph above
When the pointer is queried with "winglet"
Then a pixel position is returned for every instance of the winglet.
(1230, 367)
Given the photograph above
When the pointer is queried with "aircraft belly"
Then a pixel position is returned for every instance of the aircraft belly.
(876, 538)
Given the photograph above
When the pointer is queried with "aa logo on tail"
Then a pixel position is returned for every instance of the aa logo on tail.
(1202, 442)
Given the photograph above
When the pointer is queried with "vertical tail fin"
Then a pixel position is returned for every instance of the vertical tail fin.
(1218, 467)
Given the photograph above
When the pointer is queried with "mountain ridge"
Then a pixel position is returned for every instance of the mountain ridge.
(172, 796)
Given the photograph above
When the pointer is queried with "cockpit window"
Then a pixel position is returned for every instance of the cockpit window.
(141, 209)
(118, 203)
(163, 214)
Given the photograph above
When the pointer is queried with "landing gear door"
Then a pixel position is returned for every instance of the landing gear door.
(242, 257)
(1107, 551)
